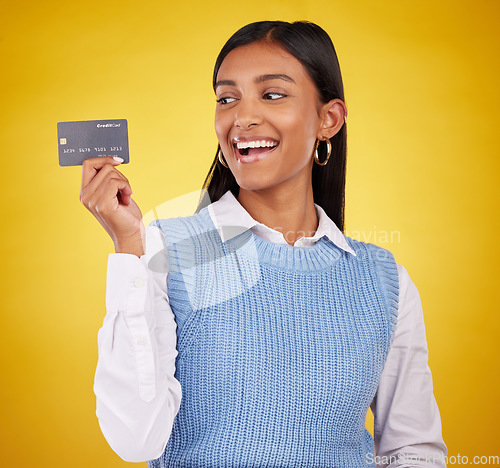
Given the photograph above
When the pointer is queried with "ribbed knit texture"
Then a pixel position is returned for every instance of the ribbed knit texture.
(280, 348)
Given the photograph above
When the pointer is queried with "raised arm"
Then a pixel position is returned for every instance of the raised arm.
(137, 394)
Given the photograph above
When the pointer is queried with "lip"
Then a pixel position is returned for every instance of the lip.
(252, 158)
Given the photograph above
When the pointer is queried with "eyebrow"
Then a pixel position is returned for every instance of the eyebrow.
(279, 76)
(259, 79)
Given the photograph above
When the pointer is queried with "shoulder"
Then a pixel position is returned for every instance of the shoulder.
(382, 257)
(368, 250)
(401, 293)
(183, 226)
(200, 216)
(386, 271)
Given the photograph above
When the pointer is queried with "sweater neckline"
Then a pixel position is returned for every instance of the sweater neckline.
(320, 256)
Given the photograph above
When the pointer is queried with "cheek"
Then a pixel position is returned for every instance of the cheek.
(299, 130)
(222, 125)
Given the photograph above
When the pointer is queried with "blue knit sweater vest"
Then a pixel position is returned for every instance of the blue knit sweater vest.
(280, 348)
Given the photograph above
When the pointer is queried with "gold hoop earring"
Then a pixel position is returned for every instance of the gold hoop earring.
(219, 153)
(328, 150)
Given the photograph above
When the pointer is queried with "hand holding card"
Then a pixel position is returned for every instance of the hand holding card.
(99, 146)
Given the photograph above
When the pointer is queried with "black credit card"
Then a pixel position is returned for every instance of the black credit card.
(86, 139)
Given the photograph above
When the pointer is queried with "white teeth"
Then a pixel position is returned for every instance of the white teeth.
(256, 144)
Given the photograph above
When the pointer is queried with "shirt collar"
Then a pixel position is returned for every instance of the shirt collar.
(231, 219)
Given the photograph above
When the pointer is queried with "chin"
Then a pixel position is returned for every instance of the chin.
(253, 183)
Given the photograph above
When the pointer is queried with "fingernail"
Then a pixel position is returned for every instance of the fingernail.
(117, 158)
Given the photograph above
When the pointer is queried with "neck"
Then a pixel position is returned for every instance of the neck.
(289, 211)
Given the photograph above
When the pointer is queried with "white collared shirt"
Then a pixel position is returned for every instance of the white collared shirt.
(138, 396)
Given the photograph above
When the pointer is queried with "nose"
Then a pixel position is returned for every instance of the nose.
(247, 114)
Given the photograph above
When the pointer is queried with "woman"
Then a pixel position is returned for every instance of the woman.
(261, 335)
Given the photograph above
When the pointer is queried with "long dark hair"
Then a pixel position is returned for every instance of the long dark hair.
(313, 48)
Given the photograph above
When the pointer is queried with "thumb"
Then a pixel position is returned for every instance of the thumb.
(116, 160)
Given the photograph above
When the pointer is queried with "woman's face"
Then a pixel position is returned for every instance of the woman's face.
(267, 117)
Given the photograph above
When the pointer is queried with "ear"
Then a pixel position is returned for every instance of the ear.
(333, 116)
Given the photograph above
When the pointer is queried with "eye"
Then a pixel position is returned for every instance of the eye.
(225, 100)
(273, 96)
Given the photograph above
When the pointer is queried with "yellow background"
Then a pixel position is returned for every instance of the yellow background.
(421, 84)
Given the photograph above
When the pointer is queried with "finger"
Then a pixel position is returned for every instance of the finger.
(106, 172)
(125, 194)
(91, 166)
(105, 199)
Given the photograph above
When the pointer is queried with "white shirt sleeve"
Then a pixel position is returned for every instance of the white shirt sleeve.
(407, 430)
(137, 395)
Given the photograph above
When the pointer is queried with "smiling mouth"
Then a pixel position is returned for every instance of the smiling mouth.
(254, 148)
